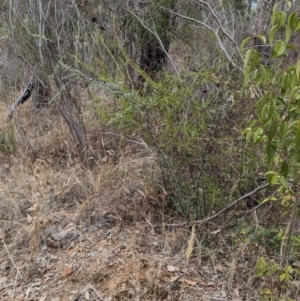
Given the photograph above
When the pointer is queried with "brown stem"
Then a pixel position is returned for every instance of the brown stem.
(287, 250)
(202, 221)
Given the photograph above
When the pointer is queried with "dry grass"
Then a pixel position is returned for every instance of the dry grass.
(113, 215)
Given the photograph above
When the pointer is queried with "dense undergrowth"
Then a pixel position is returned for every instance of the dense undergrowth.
(166, 147)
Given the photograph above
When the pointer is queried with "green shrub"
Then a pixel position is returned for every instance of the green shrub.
(7, 140)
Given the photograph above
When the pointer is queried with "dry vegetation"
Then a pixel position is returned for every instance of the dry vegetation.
(110, 174)
(70, 229)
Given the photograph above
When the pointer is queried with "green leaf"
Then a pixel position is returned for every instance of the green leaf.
(258, 79)
(289, 4)
(279, 48)
(293, 92)
(245, 41)
(270, 112)
(288, 33)
(281, 18)
(297, 138)
(287, 141)
(272, 33)
(248, 56)
(248, 136)
(269, 175)
(291, 46)
(294, 158)
(298, 70)
(291, 19)
(280, 102)
(276, 114)
(274, 18)
(294, 81)
(255, 60)
(282, 130)
(275, 7)
(271, 152)
(247, 74)
(265, 71)
(257, 135)
(284, 182)
(283, 80)
(293, 125)
(262, 38)
(297, 25)
(263, 111)
(282, 277)
(284, 168)
(272, 131)
(273, 180)
(287, 82)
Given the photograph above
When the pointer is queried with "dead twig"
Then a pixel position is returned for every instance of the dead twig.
(202, 221)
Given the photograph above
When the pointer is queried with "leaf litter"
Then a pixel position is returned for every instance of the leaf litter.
(75, 234)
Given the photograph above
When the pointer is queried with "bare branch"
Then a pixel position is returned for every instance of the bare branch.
(157, 37)
(215, 32)
(202, 221)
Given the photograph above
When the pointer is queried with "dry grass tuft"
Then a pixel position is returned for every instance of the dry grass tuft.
(123, 189)
(43, 181)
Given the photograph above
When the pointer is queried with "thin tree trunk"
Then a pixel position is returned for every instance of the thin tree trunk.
(287, 244)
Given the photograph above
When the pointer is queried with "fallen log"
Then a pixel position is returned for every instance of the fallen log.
(23, 98)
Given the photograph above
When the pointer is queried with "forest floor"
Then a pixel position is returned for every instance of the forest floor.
(71, 232)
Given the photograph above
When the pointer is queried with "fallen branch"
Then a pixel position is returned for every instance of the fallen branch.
(202, 221)
(23, 98)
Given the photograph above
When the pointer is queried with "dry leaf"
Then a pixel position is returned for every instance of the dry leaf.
(199, 281)
(2, 280)
(216, 231)
(20, 297)
(67, 272)
(174, 278)
(296, 264)
(87, 295)
(190, 282)
(190, 245)
(104, 159)
(295, 282)
(252, 92)
(29, 218)
(236, 293)
(46, 277)
(103, 242)
(171, 268)
(218, 267)
(34, 208)
(185, 271)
